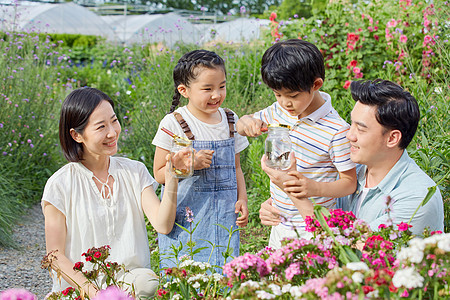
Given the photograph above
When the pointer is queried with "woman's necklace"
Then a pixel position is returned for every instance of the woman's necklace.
(105, 190)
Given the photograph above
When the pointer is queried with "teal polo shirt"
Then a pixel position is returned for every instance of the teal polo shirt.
(407, 185)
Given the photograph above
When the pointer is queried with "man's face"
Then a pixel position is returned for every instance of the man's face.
(368, 138)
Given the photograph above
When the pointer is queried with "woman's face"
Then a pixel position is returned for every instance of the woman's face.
(101, 134)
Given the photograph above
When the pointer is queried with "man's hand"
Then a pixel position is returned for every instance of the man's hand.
(249, 126)
(268, 214)
(241, 207)
(203, 159)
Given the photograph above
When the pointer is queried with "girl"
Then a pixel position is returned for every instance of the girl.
(98, 199)
(216, 192)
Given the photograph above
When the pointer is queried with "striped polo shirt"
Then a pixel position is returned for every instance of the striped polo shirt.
(321, 150)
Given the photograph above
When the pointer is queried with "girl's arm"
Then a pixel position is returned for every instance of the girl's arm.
(241, 203)
(55, 239)
(161, 214)
(159, 164)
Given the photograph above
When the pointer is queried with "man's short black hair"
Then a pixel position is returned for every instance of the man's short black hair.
(293, 65)
(396, 108)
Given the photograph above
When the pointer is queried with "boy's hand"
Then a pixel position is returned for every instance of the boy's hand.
(278, 177)
(241, 207)
(268, 214)
(301, 186)
(203, 159)
(249, 126)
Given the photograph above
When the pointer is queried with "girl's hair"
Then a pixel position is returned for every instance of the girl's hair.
(75, 112)
(187, 70)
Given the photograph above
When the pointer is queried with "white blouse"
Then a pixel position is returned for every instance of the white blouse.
(92, 221)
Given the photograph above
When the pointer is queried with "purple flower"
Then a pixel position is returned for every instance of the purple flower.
(189, 215)
(242, 10)
(13, 294)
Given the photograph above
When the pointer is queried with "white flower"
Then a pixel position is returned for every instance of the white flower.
(296, 292)
(276, 290)
(286, 288)
(412, 254)
(128, 92)
(108, 72)
(408, 278)
(251, 283)
(373, 294)
(176, 297)
(417, 243)
(357, 277)
(264, 295)
(357, 266)
(217, 276)
(196, 285)
(438, 90)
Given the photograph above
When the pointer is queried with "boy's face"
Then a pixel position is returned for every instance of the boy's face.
(296, 103)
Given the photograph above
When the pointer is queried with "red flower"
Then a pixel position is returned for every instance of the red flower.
(382, 226)
(376, 37)
(68, 291)
(184, 273)
(168, 271)
(347, 84)
(436, 232)
(78, 266)
(367, 289)
(352, 64)
(273, 16)
(88, 258)
(97, 254)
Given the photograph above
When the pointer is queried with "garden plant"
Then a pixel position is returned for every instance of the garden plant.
(404, 41)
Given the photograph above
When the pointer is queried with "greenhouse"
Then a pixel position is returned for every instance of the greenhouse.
(166, 28)
(239, 30)
(53, 18)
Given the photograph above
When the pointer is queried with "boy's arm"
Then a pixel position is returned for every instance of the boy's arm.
(159, 164)
(249, 126)
(241, 203)
(302, 186)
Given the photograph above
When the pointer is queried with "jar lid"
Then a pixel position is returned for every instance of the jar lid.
(182, 141)
(279, 125)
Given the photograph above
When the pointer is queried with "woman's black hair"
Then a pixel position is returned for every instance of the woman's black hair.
(75, 112)
(186, 70)
(293, 65)
(396, 108)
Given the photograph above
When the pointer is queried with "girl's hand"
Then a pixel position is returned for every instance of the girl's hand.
(169, 178)
(203, 159)
(241, 207)
(301, 186)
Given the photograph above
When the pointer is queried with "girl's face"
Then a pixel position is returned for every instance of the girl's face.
(206, 93)
(101, 134)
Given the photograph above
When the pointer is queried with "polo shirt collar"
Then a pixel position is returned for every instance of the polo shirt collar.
(321, 111)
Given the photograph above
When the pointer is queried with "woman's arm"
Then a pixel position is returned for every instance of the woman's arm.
(159, 164)
(161, 214)
(55, 239)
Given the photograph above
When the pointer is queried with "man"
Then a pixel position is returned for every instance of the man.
(384, 121)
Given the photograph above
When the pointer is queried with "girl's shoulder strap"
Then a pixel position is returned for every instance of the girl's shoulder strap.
(230, 118)
(184, 125)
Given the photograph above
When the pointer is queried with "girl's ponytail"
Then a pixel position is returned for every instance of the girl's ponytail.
(175, 100)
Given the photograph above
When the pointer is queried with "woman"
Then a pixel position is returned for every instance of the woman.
(98, 199)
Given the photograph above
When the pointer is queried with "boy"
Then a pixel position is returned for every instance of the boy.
(294, 70)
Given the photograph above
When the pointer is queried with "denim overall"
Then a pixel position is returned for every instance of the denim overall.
(211, 194)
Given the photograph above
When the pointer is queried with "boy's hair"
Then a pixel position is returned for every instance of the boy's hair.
(292, 64)
(396, 108)
(187, 70)
(75, 112)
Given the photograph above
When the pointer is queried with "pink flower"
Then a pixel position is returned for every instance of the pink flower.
(403, 38)
(112, 292)
(382, 226)
(13, 294)
(97, 254)
(356, 70)
(403, 226)
(273, 16)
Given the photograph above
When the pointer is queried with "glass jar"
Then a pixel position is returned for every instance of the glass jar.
(278, 146)
(182, 157)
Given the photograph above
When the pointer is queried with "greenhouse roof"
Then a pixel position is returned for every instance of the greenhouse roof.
(167, 28)
(53, 18)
